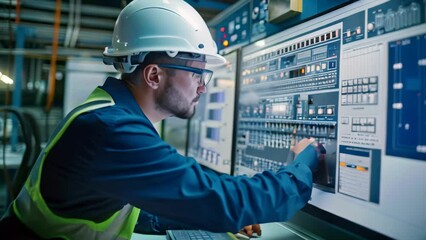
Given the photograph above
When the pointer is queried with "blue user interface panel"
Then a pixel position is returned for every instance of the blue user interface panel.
(355, 80)
(407, 98)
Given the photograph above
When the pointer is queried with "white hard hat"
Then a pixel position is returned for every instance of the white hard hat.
(170, 26)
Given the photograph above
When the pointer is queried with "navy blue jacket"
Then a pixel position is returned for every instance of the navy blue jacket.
(113, 156)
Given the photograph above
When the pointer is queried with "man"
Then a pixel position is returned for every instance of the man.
(106, 161)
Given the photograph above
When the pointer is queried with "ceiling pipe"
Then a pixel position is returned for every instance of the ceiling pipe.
(101, 11)
(43, 35)
(46, 53)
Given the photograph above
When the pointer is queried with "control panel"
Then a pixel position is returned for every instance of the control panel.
(355, 80)
(247, 21)
(234, 30)
(393, 16)
(289, 91)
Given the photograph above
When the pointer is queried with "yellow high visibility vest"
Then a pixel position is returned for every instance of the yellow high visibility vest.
(33, 211)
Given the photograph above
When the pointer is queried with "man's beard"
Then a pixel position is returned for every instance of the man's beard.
(175, 103)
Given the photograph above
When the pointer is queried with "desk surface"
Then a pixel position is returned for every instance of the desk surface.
(270, 231)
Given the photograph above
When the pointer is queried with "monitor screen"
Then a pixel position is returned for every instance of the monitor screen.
(355, 80)
(210, 132)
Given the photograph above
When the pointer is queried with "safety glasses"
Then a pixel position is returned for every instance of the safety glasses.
(203, 76)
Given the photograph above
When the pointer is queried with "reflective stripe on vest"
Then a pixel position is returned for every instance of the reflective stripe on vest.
(33, 211)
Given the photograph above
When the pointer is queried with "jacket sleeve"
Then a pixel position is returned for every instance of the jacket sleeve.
(135, 165)
(151, 224)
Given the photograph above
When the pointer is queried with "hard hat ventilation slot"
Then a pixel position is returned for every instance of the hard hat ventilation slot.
(172, 54)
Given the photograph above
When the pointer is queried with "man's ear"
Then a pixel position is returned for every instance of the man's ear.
(152, 75)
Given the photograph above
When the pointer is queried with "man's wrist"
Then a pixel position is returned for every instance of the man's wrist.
(309, 157)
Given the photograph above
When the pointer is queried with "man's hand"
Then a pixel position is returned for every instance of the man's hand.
(250, 229)
(301, 145)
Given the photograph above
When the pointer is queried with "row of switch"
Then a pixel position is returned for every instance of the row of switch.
(320, 111)
(396, 19)
(357, 81)
(279, 141)
(360, 89)
(211, 156)
(285, 75)
(303, 129)
(361, 124)
(360, 99)
(259, 164)
(293, 47)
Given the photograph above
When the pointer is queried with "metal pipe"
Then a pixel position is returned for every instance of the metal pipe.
(76, 29)
(17, 92)
(101, 11)
(63, 53)
(70, 24)
(18, 12)
(52, 75)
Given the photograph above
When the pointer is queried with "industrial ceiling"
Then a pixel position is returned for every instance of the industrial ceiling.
(85, 26)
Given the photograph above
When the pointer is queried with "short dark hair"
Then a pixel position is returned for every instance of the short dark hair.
(153, 58)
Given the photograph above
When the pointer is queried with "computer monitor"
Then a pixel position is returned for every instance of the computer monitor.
(355, 80)
(210, 132)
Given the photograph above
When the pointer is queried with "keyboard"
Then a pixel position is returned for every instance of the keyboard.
(198, 235)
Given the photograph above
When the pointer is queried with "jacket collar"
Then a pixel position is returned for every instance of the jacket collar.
(121, 95)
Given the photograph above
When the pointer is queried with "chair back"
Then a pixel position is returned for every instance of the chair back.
(31, 139)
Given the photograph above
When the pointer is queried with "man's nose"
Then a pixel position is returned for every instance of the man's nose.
(201, 89)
